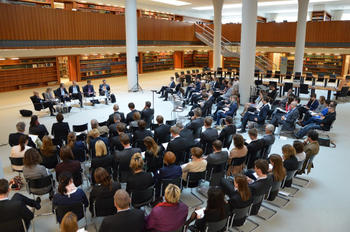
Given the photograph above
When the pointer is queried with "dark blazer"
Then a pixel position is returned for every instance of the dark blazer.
(170, 172)
(232, 109)
(78, 196)
(177, 147)
(236, 201)
(253, 148)
(72, 166)
(60, 131)
(217, 158)
(312, 104)
(139, 181)
(70, 89)
(132, 220)
(111, 117)
(39, 130)
(58, 92)
(187, 134)
(147, 115)
(138, 137)
(263, 113)
(101, 192)
(162, 134)
(12, 210)
(269, 140)
(112, 128)
(79, 151)
(129, 116)
(291, 164)
(107, 162)
(172, 84)
(207, 138)
(87, 87)
(327, 121)
(100, 88)
(154, 163)
(14, 140)
(225, 133)
(261, 186)
(194, 125)
(123, 159)
(291, 117)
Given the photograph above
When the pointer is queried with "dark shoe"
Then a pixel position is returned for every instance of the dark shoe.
(165, 99)
(37, 203)
(193, 228)
(241, 131)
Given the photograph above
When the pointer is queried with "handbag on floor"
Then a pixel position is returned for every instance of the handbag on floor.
(26, 113)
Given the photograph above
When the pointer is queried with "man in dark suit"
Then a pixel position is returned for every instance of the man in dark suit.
(114, 141)
(162, 132)
(16, 208)
(104, 89)
(289, 119)
(218, 156)
(46, 104)
(227, 111)
(258, 116)
(88, 89)
(227, 132)
(196, 123)
(147, 114)
(269, 140)
(14, 137)
(116, 111)
(254, 147)
(164, 88)
(187, 134)
(129, 116)
(123, 157)
(176, 145)
(125, 219)
(74, 92)
(208, 136)
(60, 129)
(62, 93)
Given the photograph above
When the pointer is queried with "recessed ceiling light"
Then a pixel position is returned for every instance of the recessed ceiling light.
(173, 2)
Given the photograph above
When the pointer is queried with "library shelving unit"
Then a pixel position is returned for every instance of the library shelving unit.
(156, 61)
(63, 66)
(231, 62)
(201, 58)
(156, 15)
(29, 72)
(41, 3)
(188, 59)
(103, 66)
(320, 16)
(96, 8)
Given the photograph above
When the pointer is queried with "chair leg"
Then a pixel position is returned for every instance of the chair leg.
(306, 182)
(277, 205)
(268, 209)
(202, 202)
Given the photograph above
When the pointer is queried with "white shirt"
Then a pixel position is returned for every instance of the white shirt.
(17, 153)
(300, 156)
(75, 89)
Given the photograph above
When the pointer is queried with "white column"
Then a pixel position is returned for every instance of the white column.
(248, 45)
(337, 14)
(300, 37)
(217, 32)
(131, 43)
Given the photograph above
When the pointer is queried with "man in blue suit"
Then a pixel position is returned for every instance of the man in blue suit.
(230, 111)
(88, 89)
(104, 89)
(258, 116)
(164, 88)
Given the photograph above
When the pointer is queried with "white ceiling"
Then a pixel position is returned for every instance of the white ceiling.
(285, 9)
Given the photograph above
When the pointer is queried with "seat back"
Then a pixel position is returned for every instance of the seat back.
(289, 177)
(165, 182)
(297, 76)
(61, 210)
(288, 76)
(37, 106)
(268, 74)
(188, 72)
(170, 122)
(154, 126)
(80, 128)
(142, 197)
(240, 215)
(102, 123)
(216, 226)
(265, 151)
(287, 86)
(309, 76)
(227, 141)
(188, 78)
(320, 77)
(197, 132)
(17, 162)
(300, 165)
(304, 88)
(277, 75)
(194, 178)
(238, 161)
(104, 207)
(40, 183)
(14, 225)
(343, 92)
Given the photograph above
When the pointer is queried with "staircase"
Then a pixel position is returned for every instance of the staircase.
(230, 49)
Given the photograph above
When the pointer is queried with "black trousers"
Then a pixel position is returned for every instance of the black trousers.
(78, 96)
(48, 104)
(28, 202)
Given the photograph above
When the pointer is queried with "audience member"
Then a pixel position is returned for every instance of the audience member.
(312, 105)
(268, 139)
(170, 170)
(43, 104)
(35, 128)
(103, 159)
(208, 136)
(299, 149)
(78, 147)
(290, 162)
(60, 130)
(165, 89)
(74, 92)
(278, 173)
(254, 147)
(103, 130)
(311, 148)
(14, 137)
(197, 164)
(93, 137)
(227, 132)
(237, 155)
(196, 123)
(68, 164)
(140, 134)
(186, 134)
(129, 116)
(88, 89)
(113, 126)
(49, 96)
(19, 150)
(115, 111)
(287, 121)
(49, 153)
(162, 132)
(176, 145)
(135, 119)
(227, 111)
(69, 223)
(153, 155)
(147, 114)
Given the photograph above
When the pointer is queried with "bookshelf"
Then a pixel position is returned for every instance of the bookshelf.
(156, 15)
(29, 72)
(40, 3)
(318, 16)
(156, 61)
(102, 66)
(63, 66)
(231, 62)
(91, 7)
(188, 59)
(201, 58)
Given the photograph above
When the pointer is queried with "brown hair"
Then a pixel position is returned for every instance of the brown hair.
(243, 188)
(22, 141)
(279, 172)
(141, 124)
(103, 177)
(31, 157)
(124, 138)
(4, 186)
(298, 146)
(263, 165)
(136, 162)
(136, 116)
(59, 117)
(169, 158)
(253, 132)
(160, 119)
(288, 151)
(217, 144)
(175, 130)
(71, 139)
(66, 153)
(121, 127)
(47, 148)
(208, 121)
(151, 145)
(322, 100)
(69, 222)
(238, 141)
(197, 152)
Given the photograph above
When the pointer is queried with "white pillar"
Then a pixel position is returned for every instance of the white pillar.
(131, 43)
(337, 14)
(217, 32)
(300, 37)
(248, 45)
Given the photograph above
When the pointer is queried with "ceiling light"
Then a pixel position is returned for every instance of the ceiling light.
(14, 58)
(173, 2)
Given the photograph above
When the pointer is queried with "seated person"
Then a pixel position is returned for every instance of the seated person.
(68, 164)
(35, 128)
(284, 107)
(290, 161)
(196, 122)
(153, 155)
(113, 126)
(227, 111)
(70, 223)
(103, 130)
(228, 130)
(78, 147)
(126, 219)
(197, 164)
(272, 93)
(177, 145)
(114, 141)
(278, 173)
(254, 147)
(216, 162)
(60, 130)
(129, 116)
(14, 137)
(288, 120)
(193, 88)
(299, 149)
(311, 148)
(19, 150)
(105, 187)
(208, 136)
(62, 93)
(16, 208)
(169, 215)
(325, 124)
(49, 153)
(115, 111)
(136, 118)
(45, 104)
(49, 96)
(256, 105)
(217, 209)
(237, 156)
(147, 113)
(140, 134)
(88, 89)
(103, 159)
(104, 89)
(162, 132)
(315, 117)
(74, 92)
(258, 116)
(166, 89)
(269, 140)
(312, 105)
(93, 137)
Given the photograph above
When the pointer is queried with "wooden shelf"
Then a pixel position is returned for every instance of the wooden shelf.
(201, 58)
(231, 62)
(156, 15)
(320, 16)
(156, 61)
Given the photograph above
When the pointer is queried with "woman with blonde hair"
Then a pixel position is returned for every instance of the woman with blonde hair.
(290, 161)
(153, 155)
(102, 159)
(49, 153)
(140, 180)
(169, 215)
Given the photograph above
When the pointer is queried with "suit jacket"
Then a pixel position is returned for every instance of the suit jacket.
(111, 117)
(147, 115)
(217, 158)
(187, 134)
(138, 137)
(207, 138)
(291, 164)
(123, 158)
(162, 134)
(15, 210)
(37, 99)
(14, 140)
(100, 88)
(177, 147)
(261, 186)
(139, 181)
(291, 117)
(132, 220)
(327, 121)
(129, 116)
(232, 109)
(60, 130)
(107, 162)
(172, 84)
(269, 140)
(39, 130)
(86, 88)
(228, 130)
(59, 94)
(311, 149)
(263, 113)
(312, 104)
(253, 148)
(70, 89)
(236, 201)
(194, 125)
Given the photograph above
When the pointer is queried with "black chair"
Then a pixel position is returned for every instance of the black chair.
(277, 76)
(342, 93)
(288, 76)
(268, 74)
(81, 131)
(227, 141)
(240, 216)
(297, 76)
(165, 182)
(309, 76)
(182, 73)
(218, 226)
(216, 172)
(257, 73)
(45, 182)
(17, 162)
(188, 79)
(104, 207)
(37, 106)
(77, 208)
(228, 72)
(258, 82)
(170, 122)
(193, 181)
(14, 225)
(219, 72)
(265, 151)
(102, 123)
(320, 78)
(332, 79)
(304, 89)
(257, 200)
(143, 197)
(287, 86)
(188, 72)
(287, 183)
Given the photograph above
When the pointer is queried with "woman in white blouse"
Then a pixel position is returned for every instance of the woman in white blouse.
(19, 150)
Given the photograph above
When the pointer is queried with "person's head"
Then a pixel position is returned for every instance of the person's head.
(331, 107)
(4, 188)
(217, 145)
(179, 125)
(64, 180)
(33, 121)
(131, 106)
(47, 144)
(103, 81)
(23, 141)
(62, 85)
(21, 127)
(148, 104)
(197, 112)
(322, 100)
(141, 124)
(238, 141)
(269, 129)
(253, 133)
(169, 158)
(71, 139)
(74, 83)
(94, 133)
(35, 93)
(298, 146)
(216, 200)
(116, 118)
(241, 184)
(312, 136)
(172, 194)
(288, 151)
(160, 119)
(59, 117)
(66, 153)
(196, 153)
(261, 167)
(172, 78)
(151, 145)
(115, 107)
(297, 100)
(69, 222)
(94, 123)
(48, 90)
(228, 120)
(88, 82)
(175, 131)
(205, 96)
(122, 200)
(136, 162)
(100, 148)
(121, 127)
(124, 139)
(208, 121)
(290, 99)
(102, 177)
(136, 116)
(31, 157)
(279, 172)
(313, 96)
(293, 104)
(272, 86)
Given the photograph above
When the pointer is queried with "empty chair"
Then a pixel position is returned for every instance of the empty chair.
(219, 72)
(297, 76)
(142, 198)
(154, 126)
(228, 72)
(309, 76)
(320, 78)
(81, 131)
(188, 78)
(287, 86)
(41, 183)
(193, 181)
(288, 76)
(239, 217)
(342, 93)
(332, 79)
(277, 76)
(268, 74)
(304, 89)
(165, 182)
(102, 123)
(257, 73)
